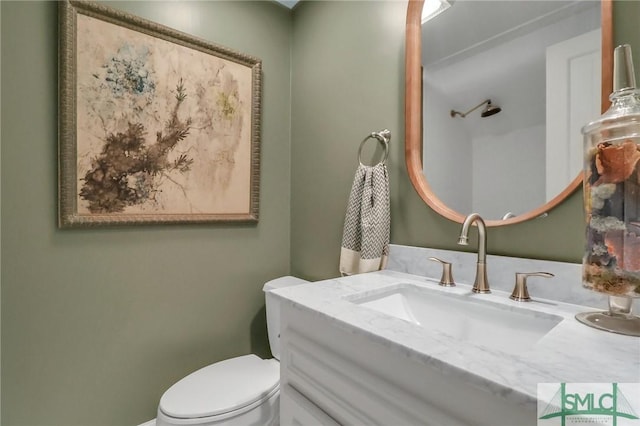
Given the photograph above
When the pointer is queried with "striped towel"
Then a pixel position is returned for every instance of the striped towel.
(365, 239)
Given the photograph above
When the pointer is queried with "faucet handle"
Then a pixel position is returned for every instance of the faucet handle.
(447, 277)
(520, 292)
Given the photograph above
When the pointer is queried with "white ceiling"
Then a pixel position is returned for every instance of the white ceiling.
(471, 24)
(467, 62)
(288, 3)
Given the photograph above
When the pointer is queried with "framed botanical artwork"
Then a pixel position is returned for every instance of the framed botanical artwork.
(156, 126)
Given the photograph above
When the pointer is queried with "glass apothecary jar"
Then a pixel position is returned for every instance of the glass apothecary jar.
(611, 263)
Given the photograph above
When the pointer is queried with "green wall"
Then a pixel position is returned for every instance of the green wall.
(349, 81)
(97, 323)
(626, 28)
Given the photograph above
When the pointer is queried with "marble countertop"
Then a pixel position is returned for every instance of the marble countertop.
(571, 352)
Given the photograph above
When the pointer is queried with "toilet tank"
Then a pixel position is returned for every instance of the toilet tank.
(273, 309)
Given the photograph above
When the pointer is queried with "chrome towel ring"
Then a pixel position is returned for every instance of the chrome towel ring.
(383, 136)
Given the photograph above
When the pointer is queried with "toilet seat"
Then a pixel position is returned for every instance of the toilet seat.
(226, 388)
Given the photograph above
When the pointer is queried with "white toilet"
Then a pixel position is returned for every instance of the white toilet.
(239, 391)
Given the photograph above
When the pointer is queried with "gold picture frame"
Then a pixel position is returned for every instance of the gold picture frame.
(155, 126)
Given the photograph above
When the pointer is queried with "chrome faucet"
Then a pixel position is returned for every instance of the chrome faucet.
(481, 284)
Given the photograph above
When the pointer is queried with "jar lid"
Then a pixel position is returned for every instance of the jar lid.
(625, 99)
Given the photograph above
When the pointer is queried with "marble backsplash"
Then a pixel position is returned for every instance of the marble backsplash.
(566, 286)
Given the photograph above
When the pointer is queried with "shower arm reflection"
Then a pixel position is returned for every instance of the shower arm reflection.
(489, 110)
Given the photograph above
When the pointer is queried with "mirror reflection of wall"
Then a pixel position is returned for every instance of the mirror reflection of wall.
(539, 61)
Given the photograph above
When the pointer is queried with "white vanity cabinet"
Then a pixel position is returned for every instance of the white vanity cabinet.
(345, 360)
(331, 375)
(298, 410)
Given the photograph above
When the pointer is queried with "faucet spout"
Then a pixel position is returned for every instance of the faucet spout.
(481, 284)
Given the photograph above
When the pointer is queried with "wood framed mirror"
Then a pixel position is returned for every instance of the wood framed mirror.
(414, 117)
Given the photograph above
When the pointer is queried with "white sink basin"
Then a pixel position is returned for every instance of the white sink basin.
(466, 317)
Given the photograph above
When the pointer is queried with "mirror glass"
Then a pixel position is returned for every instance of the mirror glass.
(539, 65)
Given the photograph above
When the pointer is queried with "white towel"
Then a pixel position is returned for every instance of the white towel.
(365, 239)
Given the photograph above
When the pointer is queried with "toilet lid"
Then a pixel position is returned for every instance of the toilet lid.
(222, 387)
